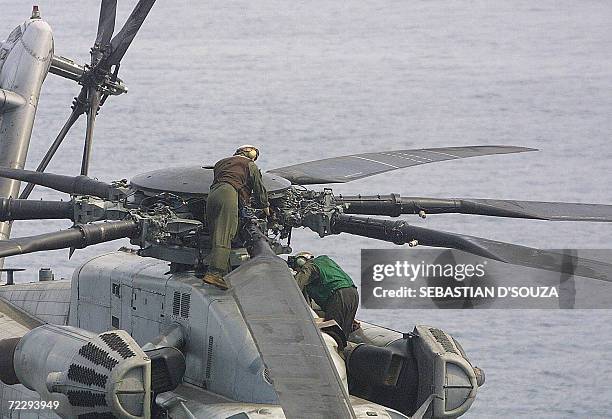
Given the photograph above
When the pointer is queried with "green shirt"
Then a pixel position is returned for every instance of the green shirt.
(320, 277)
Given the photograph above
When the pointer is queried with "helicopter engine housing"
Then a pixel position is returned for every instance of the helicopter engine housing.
(426, 370)
(84, 373)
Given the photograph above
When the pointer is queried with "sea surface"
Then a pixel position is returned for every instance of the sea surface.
(313, 79)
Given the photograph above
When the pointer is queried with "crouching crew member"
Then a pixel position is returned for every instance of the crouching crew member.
(329, 286)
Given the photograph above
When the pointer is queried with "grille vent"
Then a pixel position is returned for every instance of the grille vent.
(87, 376)
(443, 340)
(185, 303)
(176, 303)
(117, 344)
(209, 357)
(181, 303)
(97, 356)
(86, 398)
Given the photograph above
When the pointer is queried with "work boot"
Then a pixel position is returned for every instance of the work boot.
(215, 279)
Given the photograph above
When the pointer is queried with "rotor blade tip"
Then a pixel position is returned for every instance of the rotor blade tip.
(517, 148)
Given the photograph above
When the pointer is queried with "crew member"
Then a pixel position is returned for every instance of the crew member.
(329, 286)
(235, 179)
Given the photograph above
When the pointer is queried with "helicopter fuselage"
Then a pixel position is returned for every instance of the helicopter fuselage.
(224, 372)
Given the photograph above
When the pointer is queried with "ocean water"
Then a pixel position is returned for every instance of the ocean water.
(308, 80)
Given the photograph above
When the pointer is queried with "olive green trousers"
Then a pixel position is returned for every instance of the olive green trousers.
(342, 306)
(222, 219)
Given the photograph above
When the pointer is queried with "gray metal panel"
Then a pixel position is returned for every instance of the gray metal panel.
(147, 296)
(357, 166)
(305, 379)
(194, 323)
(234, 367)
(48, 302)
(93, 297)
(207, 404)
(9, 326)
(125, 321)
(146, 310)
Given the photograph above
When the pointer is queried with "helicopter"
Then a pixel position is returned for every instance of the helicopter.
(136, 334)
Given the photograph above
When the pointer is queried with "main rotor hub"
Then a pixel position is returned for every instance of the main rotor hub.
(195, 180)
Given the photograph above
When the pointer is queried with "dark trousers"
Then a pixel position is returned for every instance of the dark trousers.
(341, 307)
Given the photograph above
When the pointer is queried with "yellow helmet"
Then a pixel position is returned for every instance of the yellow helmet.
(248, 150)
(303, 257)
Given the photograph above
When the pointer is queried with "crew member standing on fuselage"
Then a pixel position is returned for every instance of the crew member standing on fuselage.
(235, 179)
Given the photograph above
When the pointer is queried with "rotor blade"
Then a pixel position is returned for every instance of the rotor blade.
(76, 237)
(286, 336)
(357, 166)
(400, 232)
(121, 42)
(78, 108)
(393, 205)
(93, 99)
(24, 209)
(106, 23)
(74, 185)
